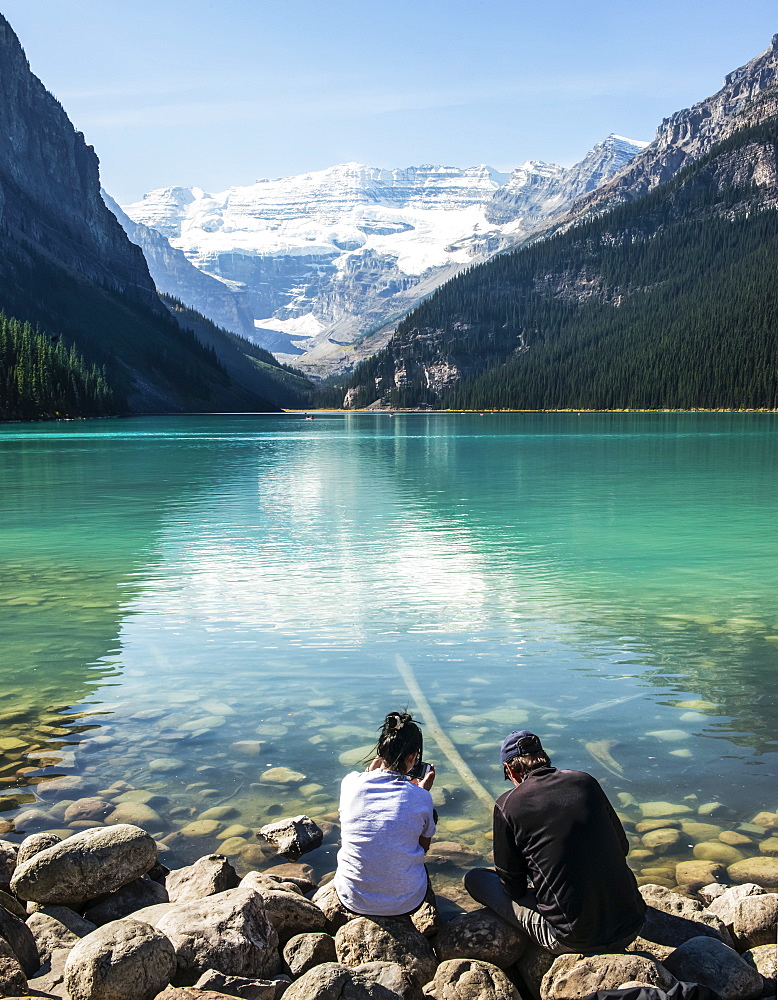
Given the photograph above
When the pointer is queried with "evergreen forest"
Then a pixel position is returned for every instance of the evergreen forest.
(669, 301)
(42, 378)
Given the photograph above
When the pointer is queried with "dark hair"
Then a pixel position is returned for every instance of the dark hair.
(400, 736)
(524, 763)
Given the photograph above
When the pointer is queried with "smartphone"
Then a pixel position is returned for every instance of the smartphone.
(419, 770)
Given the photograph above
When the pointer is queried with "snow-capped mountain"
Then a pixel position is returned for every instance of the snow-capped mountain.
(324, 257)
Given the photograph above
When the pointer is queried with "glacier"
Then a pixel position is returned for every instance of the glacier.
(323, 263)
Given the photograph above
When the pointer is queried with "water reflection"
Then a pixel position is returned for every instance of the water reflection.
(600, 579)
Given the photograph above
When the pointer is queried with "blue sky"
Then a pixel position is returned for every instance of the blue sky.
(221, 92)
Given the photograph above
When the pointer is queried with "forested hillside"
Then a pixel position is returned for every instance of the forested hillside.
(668, 301)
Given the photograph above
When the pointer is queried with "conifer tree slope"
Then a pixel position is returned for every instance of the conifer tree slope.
(666, 301)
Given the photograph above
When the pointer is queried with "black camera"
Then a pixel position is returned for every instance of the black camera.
(419, 769)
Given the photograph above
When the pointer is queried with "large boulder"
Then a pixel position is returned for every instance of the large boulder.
(573, 976)
(206, 877)
(426, 918)
(262, 881)
(124, 960)
(293, 836)
(13, 981)
(57, 927)
(12, 904)
(723, 906)
(304, 951)
(672, 919)
(763, 959)
(85, 865)
(762, 870)
(333, 981)
(230, 932)
(240, 986)
(136, 895)
(19, 939)
(8, 854)
(481, 936)
(467, 979)
(336, 913)
(386, 939)
(755, 921)
(50, 977)
(710, 962)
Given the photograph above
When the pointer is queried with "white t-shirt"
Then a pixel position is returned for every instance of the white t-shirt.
(381, 869)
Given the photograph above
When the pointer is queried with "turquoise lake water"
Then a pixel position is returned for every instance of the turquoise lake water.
(189, 603)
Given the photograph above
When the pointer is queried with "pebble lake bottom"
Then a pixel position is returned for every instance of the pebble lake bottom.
(202, 618)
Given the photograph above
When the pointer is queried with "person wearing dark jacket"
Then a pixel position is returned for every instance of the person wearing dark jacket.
(561, 874)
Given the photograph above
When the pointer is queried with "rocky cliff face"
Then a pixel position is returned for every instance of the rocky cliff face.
(50, 187)
(326, 257)
(748, 97)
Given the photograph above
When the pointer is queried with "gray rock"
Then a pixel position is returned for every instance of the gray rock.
(333, 981)
(12, 904)
(205, 877)
(51, 933)
(8, 855)
(19, 938)
(426, 918)
(240, 986)
(262, 881)
(573, 976)
(391, 976)
(724, 905)
(328, 901)
(710, 892)
(292, 914)
(13, 981)
(124, 960)
(153, 914)
(230, 932)
(304, 951)
(86, 865)
(672, 919)
(36, 843)
(467, 979)
(293, 836)
(763, 959)
(710, 962)
(386, 939)
(755, 921)
(483, 936)
(136, 895)
(532, 966)
(51, 975)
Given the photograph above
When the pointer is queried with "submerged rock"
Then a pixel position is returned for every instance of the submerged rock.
(761, 870)
(281, 776)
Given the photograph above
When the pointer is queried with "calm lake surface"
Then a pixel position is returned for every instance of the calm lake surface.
(189, 603)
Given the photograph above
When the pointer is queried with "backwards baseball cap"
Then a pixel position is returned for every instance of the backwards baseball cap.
(519, 743)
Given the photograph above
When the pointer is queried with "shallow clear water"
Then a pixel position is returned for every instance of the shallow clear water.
(229, 594)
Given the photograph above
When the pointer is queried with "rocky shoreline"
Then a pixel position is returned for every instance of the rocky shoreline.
(97, 916)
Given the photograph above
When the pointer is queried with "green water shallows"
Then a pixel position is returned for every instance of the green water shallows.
(191, 603)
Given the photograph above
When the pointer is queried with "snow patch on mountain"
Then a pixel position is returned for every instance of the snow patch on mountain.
(324, 256)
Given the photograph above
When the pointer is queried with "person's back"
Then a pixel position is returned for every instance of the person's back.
(558, 829)
(381, 862)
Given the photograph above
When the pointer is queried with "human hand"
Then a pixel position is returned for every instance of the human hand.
(428, 779)
(374, 764)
